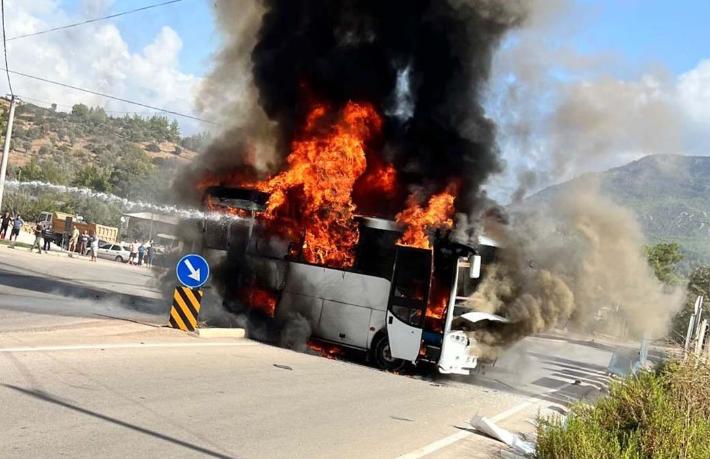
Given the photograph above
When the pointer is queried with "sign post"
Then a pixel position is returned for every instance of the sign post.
(192, 272)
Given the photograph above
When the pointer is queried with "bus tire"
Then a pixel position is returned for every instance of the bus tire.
(381, 356)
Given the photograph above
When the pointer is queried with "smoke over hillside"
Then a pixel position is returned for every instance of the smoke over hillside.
(567, 263)
(360, 106)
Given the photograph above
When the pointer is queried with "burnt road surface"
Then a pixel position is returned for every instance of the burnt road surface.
(86, 371)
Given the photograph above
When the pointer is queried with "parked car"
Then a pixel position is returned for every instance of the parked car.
(114, 252)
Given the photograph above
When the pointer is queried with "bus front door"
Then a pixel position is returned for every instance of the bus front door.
(408, 300)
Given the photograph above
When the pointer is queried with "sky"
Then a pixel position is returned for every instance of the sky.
(654, 55)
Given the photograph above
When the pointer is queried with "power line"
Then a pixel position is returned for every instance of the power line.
(108, 96)
(4, 46)
(88, 21)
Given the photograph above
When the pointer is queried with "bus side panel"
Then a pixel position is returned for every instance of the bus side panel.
(346, 301)
(344, 323)
(309, 307)
(377, 323)
(336, 285)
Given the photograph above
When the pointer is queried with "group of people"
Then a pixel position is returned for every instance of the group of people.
(11, 221)
(141, 253)
(43, 238)
(83, 243)
(43, 235)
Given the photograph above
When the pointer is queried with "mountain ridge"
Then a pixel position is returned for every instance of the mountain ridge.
(667, 193)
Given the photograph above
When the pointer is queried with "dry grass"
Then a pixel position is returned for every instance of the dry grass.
(659, 414)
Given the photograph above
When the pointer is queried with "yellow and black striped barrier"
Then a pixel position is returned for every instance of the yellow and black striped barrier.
(186, 308)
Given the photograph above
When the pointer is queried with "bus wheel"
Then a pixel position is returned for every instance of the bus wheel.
(382, 355)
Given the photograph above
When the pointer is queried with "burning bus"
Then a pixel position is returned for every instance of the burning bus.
(398, 303)
(356, 137)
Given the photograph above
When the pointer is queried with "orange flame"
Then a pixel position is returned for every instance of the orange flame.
(330, 351)
(418, 220)
(436, 308)
(382, 179)
(323, 167)
(259, 299)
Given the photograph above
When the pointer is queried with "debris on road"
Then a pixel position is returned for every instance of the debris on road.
(283, 367)
(488, 427)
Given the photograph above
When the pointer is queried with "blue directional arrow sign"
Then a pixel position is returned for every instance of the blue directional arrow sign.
(192, 271)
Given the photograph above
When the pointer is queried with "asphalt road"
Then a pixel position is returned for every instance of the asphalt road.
(94, 375)
(48, 289)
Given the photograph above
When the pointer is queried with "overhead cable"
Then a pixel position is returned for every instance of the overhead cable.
(89, 21)
(108, 96)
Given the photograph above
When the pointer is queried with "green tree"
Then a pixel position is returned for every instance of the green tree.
(80, 111)
(56, 172)
(174, 133)
(94, 178)
(98, 115)
(197, 142)
(133, 167)
(31, 171)
(663, 258)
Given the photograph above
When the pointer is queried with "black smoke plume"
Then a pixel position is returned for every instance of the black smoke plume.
(423, 64)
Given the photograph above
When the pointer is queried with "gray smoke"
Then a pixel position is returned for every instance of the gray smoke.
(561, 113)
(566, 262)
(295, 333)
(575, 258)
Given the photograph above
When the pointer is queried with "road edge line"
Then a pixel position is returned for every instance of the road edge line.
(84, 347)
(503, 415)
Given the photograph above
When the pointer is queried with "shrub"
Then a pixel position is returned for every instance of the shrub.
(153, 147)
(664, 414)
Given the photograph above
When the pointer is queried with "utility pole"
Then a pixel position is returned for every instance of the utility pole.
(6, 147)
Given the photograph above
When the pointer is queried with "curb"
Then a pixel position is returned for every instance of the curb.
(220, 332)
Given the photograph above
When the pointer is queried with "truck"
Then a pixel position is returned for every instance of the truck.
(398, 304)
(62, 225)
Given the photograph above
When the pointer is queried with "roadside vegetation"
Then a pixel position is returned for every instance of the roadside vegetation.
(665, 258)
(663, 413)
(131, 156)
(660, 413)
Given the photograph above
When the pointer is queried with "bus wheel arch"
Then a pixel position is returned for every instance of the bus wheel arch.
(381, 356)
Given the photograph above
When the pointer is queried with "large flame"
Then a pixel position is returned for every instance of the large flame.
(331, 166)
(314, 192)
(418, 220)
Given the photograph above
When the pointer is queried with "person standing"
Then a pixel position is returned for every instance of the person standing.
(133, 252)
(94, 246)
(141, 254)
(73, 241)
(150, 254)
(17, 223)
(84, 243)
(4, 224)
(47, 234)
(38, 238)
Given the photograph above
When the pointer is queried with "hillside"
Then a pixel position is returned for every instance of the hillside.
(131, 156)
(670, 196)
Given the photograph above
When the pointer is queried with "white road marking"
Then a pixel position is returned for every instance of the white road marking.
(82, 347)
(451, 439)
